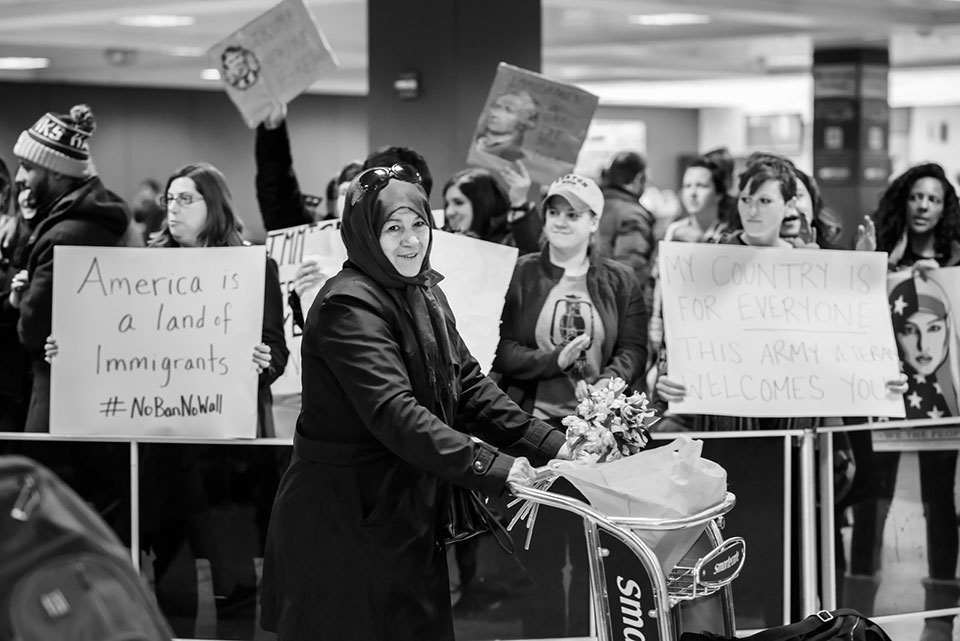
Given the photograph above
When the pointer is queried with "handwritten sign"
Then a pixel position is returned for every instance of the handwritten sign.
(289, 247)
(156, 341)
(272, 59)
(778, 332)
(476, 277)
(533, 119)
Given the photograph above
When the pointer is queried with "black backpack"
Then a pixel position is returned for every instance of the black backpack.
(64, 575)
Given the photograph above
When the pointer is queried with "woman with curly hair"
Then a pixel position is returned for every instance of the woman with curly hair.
(918, 219)
(918, 223)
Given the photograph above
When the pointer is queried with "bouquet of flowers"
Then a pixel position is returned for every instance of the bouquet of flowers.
(609, 425)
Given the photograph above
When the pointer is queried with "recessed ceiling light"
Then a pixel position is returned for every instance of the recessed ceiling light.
(669, 19)
(210, 74)
(23, 64)
(156, 20)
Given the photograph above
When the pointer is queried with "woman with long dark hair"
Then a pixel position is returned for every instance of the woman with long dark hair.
(200, 214)
(917, 222)
(478, 203)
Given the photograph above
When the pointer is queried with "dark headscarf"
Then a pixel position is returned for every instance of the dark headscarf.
(360, 229)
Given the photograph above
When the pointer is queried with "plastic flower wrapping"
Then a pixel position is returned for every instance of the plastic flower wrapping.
(608, 425)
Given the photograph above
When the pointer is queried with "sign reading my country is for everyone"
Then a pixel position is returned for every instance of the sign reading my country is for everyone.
(778, 332)
(156, 341)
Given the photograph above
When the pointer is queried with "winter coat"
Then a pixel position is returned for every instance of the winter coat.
(90, 214)
(278, 190)
(271, 334)
(615, 293)
(353, 549)
(626, 232)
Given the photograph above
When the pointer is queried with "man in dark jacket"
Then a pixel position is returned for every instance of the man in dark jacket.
(626, 227)
(73, 208)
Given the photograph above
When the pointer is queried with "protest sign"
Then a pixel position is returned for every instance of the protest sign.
(778, 332)
(925, 328)
(533, 119)
(156, 341)
(476, 276)
(272, 59)
(289, 247)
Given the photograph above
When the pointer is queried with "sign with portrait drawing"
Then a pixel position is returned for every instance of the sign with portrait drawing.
(924, 324)
(532, 119)
(272, 59)
(156, 342)
(778, 332)
(476, 276)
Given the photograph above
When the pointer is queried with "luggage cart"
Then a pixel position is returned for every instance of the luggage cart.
(631, 597)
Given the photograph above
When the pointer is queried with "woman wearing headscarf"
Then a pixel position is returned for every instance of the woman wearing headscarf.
(391, 405)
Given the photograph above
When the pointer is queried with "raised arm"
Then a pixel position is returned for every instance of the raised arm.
(278, 191)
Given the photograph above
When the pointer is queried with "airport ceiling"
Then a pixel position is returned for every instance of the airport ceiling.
(588, 42)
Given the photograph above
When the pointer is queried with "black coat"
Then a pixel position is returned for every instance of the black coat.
(90, 214)
(352, 548)
(278, 190)
(617, 296)
(271, 334)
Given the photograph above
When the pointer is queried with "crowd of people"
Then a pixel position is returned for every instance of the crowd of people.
(395, 410)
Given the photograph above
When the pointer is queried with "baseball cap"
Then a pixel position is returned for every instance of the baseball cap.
(581, 192)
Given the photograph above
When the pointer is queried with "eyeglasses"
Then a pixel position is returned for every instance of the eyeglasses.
(184, 199)
(312, 201)
(373, 180)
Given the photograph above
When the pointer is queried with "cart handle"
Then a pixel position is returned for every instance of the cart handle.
(660, 524)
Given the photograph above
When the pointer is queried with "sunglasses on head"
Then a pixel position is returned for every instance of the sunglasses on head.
(373, 180)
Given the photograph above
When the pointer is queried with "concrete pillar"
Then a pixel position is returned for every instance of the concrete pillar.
(851, 131)
(451, 49)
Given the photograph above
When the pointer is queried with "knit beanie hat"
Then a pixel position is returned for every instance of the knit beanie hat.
(59, 142)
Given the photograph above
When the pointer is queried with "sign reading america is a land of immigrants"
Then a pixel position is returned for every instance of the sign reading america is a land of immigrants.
(156, 341)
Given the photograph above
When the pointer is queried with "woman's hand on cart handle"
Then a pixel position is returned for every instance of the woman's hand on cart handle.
(521, 473)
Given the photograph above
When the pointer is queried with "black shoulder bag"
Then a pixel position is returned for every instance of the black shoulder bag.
(468, 516)
(839, 625)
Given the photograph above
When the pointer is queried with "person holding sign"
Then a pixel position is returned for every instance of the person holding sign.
(200, 214)
(394, 407)
(572, 320)
(768, 192)
(475, 203)
(73, 207)
(917, 222)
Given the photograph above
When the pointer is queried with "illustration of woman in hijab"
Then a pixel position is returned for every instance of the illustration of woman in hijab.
(924, 330)
(927, 340)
